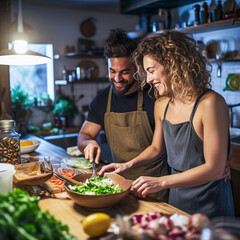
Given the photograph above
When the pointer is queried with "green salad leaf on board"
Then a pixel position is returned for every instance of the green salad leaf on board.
(78, 163)
(22, 219)
(97, 186)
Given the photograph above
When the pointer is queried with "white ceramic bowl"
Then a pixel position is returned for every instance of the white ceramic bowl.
(6, 177)
(30, 148)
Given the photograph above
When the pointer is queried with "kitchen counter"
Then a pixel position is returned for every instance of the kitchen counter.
(71, 214)
(47, 149)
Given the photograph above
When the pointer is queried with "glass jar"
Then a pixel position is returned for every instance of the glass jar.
(9, 143)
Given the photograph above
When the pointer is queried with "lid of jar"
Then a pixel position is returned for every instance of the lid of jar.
(7, 124)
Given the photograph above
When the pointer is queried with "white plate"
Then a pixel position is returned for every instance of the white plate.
(30, 148)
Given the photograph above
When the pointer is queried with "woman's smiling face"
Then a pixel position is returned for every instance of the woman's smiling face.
(156, 75)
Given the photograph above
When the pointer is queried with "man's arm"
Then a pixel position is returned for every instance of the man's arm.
(87, 143)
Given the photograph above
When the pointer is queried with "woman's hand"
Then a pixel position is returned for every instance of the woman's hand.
(114, 167)
(144, 185)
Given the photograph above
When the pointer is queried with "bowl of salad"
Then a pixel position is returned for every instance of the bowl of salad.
(98, 192)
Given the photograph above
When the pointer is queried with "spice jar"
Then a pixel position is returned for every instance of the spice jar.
(9, 143)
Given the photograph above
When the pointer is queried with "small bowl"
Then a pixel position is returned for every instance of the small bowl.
(30, 174)
(29, 148)
(100, 201)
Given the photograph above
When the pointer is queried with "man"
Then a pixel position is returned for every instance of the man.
(124, 111)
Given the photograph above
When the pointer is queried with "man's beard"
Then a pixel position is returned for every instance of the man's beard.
(126, 88)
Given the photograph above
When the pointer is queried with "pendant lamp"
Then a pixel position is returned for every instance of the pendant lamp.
(19, 53)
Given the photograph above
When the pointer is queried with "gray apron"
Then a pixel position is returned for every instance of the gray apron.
(128, 134)
(213, 198)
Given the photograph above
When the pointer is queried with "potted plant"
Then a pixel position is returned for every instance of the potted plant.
(64, 111)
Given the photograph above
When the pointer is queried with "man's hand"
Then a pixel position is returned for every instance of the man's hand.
(92, 151)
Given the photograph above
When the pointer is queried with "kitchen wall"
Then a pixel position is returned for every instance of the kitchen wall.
(61, 27)
(232, 36)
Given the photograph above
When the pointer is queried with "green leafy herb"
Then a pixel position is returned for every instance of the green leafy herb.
(79, 163)
(97, 186)
(22, 219)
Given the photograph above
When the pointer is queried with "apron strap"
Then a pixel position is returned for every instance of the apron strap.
(109, 100)
(196, 104)
(165, 112)
(140, 100)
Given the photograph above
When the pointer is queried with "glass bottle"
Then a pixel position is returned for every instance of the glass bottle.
(204, 13)
(218, 13)
(197, 14)
(9, 143)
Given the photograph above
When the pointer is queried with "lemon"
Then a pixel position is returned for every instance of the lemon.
(96, 224)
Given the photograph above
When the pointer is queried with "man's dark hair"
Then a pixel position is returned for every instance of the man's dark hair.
(118, 44)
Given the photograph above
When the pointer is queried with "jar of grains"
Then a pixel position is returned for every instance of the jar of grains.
(9, 143)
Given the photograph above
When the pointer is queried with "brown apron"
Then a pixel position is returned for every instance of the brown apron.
(128, 134)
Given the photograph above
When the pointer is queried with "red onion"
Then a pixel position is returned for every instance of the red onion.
(167, 222)
(198, 221)
(176, 232)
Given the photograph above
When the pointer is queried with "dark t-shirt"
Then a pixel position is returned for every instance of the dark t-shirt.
(120, 104)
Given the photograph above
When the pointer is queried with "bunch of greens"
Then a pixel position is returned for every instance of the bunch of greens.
(97, 186)
(65, 106)
(20, 99)
(22, 219)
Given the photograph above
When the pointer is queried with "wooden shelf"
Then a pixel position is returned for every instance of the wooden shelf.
(87, 81)
(83, 55)
(213, 26)
(224, 60)
(151, 7)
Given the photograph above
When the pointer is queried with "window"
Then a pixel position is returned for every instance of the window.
(36, 80)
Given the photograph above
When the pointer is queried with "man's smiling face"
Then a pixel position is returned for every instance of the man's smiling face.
(120, 72)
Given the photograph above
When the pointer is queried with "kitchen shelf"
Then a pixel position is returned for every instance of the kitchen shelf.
(213, 26)
(87, 81)
(83, 55)
(224, 60)
(151, 6)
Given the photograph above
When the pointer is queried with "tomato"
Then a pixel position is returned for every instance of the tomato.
(96, 224)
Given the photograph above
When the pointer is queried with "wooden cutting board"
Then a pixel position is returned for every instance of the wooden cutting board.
(51, 187)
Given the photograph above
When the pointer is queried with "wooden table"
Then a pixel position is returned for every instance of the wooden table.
(71, 214)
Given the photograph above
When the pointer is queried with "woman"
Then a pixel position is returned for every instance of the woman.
(191, 125)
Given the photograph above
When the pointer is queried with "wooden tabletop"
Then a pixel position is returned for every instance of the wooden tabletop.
(71, 214)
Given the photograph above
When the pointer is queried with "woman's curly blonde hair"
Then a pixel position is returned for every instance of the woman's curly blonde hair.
(182, 59)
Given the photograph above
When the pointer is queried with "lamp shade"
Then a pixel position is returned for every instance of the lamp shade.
(10, 57)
